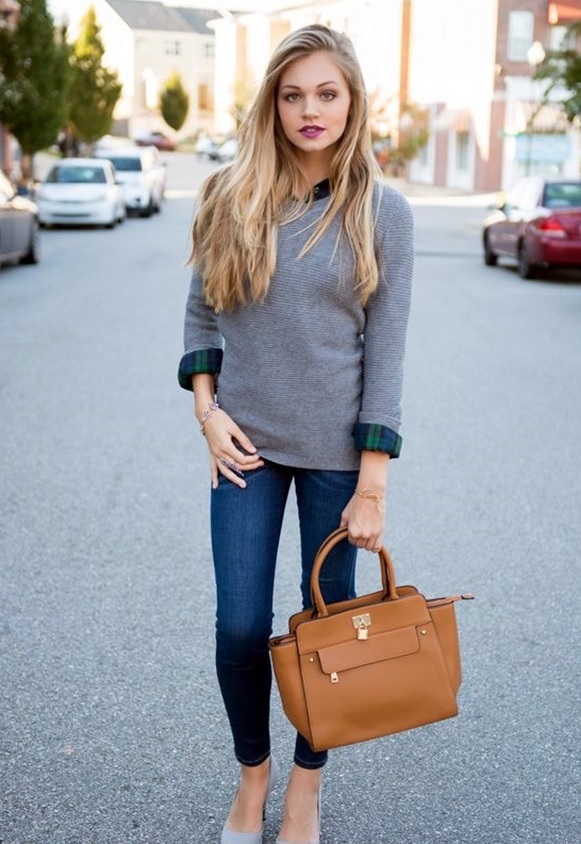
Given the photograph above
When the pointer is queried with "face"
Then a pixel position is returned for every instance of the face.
(313, 104)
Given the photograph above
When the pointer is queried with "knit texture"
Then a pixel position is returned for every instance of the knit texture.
(305, 369)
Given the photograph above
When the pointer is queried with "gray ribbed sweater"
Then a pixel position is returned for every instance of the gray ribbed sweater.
(300, 369)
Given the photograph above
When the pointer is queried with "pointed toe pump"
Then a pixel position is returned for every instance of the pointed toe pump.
(229, 836)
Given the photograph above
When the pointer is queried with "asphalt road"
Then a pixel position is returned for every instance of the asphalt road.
(112, 729)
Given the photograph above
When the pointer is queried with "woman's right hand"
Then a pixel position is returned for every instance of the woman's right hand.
(231, 452)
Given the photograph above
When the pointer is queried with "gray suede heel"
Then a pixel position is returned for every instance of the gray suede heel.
(229, 836)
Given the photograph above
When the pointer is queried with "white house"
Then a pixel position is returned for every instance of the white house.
(245, 41)
(146, 42)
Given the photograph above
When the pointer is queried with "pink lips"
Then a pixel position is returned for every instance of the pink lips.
(311, 131)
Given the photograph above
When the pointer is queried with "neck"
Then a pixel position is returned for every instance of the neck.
(317, 166)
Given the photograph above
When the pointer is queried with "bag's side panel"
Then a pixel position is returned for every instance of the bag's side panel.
(444, 618)
(378, 699)
(285, 661)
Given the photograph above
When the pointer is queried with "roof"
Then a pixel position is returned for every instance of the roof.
(198, 18)
(157, 16)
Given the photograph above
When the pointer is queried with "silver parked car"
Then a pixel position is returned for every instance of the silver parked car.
(80, 191)
(19, 239)
(141, 175)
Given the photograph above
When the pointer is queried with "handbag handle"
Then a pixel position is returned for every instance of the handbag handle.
(386, 566)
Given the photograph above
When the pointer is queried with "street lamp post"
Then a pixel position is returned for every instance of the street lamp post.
(535, 55)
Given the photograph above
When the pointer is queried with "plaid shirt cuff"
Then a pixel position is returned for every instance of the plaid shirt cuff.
(370, 437)
(195, 363)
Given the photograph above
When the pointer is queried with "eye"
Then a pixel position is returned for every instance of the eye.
(328, 95)
(291, 98)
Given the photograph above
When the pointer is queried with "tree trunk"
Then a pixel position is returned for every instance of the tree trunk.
(27, 169)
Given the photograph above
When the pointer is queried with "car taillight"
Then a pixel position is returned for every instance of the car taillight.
(551, 227)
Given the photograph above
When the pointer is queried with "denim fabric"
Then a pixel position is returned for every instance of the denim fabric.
(246, 526)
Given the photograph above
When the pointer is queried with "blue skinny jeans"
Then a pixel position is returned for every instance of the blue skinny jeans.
(246, 526)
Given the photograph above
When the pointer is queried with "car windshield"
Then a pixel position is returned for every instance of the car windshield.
(85, 175)
(562, 195)
(125, 164)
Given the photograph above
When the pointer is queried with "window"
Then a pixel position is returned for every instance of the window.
(562, 195)
(209, 50)
(125, 164)
(520, 35)
(172, 48)
(65, 174)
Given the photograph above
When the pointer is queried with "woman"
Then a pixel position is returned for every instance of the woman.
(294, 342)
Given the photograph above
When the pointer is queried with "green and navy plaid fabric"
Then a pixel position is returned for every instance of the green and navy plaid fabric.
(370, 437)
(194, 363)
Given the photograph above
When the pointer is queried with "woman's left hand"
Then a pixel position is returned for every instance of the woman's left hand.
(365, 520)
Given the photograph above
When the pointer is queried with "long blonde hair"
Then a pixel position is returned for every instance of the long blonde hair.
(242, 205)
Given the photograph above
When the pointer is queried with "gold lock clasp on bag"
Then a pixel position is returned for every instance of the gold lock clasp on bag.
(361, 623)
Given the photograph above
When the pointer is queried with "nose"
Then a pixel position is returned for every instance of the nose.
(310, 108)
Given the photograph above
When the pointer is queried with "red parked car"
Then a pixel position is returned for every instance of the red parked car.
(155, 139)
(538, 224)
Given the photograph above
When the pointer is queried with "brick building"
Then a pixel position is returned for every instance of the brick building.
(472, 66)
(466, 64)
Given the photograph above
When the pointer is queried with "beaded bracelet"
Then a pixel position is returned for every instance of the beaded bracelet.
(372, 496)
(207, 413)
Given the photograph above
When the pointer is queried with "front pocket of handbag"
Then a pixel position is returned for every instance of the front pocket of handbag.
(393, 681)
(390, 645)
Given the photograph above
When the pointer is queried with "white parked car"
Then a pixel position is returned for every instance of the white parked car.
(80, 191)
(226, 151)
(141, 174)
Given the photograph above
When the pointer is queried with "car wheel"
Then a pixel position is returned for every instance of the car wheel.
(490, 257)
(526, 269)
(148, 210)
(33, 254)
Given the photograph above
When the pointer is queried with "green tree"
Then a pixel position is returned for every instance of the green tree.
(174, 102)
(34, 78)
(562, 70)
(94, 89)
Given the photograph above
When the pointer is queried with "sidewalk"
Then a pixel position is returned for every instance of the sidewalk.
(420, 194)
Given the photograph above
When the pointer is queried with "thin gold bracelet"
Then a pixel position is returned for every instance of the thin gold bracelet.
(372, 496)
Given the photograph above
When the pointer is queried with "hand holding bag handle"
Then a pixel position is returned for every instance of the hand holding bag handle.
(386, 566)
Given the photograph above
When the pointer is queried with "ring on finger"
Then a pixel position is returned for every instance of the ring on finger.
(229, 465)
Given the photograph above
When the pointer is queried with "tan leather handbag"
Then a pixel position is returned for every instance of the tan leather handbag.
(371, 666)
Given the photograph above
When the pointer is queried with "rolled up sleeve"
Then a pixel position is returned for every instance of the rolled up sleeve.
(387, 316)
(203, 342)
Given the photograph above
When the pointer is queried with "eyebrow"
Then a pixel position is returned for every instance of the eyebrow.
(321, 85)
